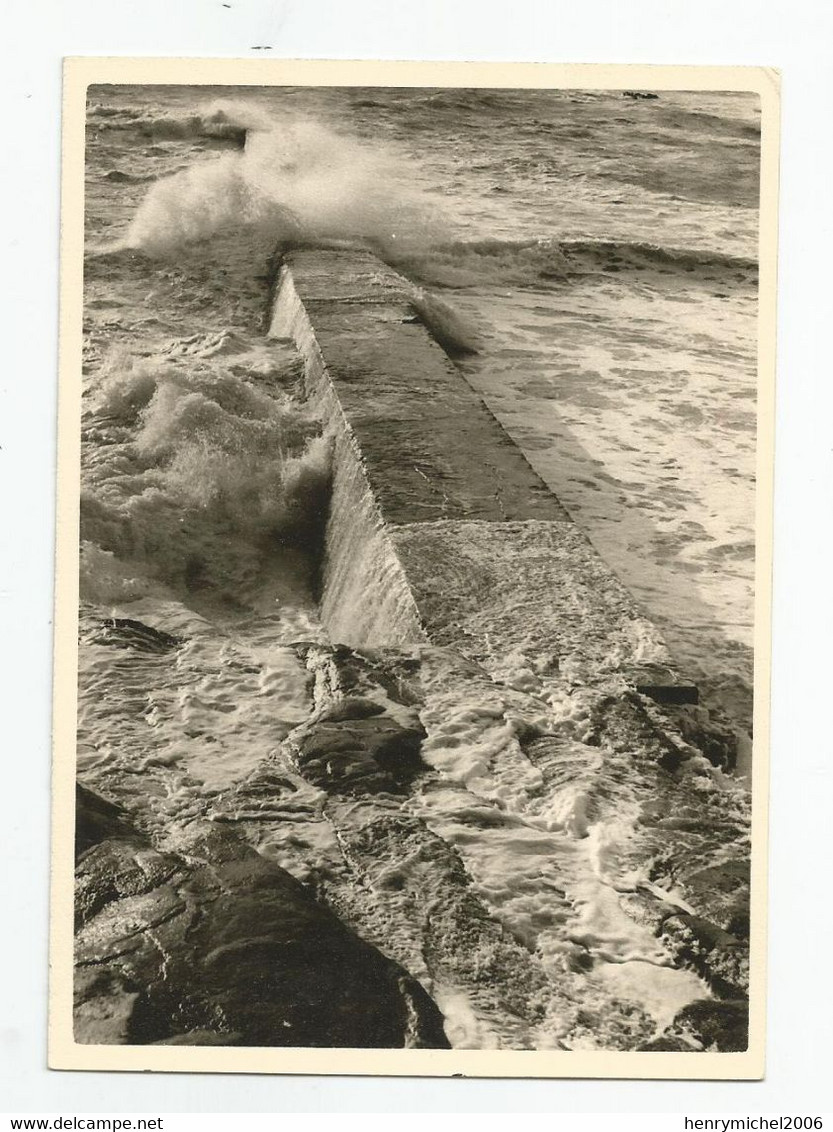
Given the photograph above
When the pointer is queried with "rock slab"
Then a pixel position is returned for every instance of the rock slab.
(217, 940)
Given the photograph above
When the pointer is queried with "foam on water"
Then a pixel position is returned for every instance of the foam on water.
(295, 179)
(549, 846)
(219, 119)
(586, 271)
(199, 467)
(185, 724)
(536, 262)
(207, 482)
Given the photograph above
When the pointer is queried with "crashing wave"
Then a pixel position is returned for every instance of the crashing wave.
(195, 473)
(295, 179)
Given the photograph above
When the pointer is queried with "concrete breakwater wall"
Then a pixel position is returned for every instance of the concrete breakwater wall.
(440, 534)
(439, 528)
(452, 819)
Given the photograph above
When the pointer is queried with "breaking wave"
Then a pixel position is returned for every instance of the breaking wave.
(195, 476)
(295, 179)
(529, 262)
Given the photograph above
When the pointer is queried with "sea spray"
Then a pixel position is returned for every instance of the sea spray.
(297, 182)
(295, 179)
(195, 473)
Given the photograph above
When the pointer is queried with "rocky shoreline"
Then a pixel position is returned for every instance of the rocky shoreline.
(369, 761)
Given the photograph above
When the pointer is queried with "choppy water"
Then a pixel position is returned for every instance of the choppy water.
(600, 251)
(630, 388)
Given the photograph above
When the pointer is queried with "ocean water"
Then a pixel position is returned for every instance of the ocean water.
(630, 386)
(596, 254)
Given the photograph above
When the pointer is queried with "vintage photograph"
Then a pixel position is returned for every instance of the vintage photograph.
(415, 542)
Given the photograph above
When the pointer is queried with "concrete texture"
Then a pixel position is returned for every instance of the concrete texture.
(538, 589)
(431, 448)
(439, 528)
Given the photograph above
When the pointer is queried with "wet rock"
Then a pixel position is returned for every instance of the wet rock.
(218, 941)
(427, 911)
(662, 683)
(361, 756)
(721, 1026)
(199, 1038)
(725, 887)
(623, 723)
(97, 819)
(355, 673)
(116, 869)
(106, 1002)
(668, 693)
(667, 1043)
(351, 707)
(710, 731)
(126, 633)
(721, 958)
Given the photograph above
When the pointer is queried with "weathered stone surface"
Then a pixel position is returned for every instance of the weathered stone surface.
(725, 885)
(659, 683)
(625, 720)
(126, 632)
(224, 942)
(351, 707)
(536, 588)
(427, 911)
(717, 1025)
(361, 756)
(707, 729)
(720, 957)
(116, 869)
(431, 448)
(354, 745)
(432, 483)
(105, 1003)
(97, 819)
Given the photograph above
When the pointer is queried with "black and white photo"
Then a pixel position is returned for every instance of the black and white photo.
(417, 444)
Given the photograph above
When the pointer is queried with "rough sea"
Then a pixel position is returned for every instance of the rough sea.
(595, 253)
(633, 393)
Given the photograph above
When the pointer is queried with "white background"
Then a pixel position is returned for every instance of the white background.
(795, 37)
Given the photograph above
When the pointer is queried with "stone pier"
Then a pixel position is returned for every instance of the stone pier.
(440, 529)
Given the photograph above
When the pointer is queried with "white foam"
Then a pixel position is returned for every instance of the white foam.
(549, 855)
(295, 178)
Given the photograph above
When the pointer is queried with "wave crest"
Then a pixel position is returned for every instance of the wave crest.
(295, 179)
(195, 476)
(477, 263)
